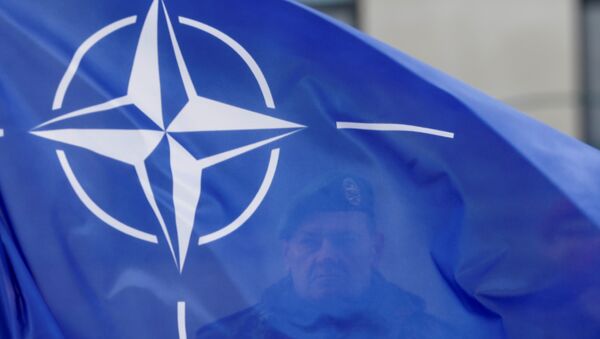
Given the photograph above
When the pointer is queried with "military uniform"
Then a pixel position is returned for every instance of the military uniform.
(383, 311)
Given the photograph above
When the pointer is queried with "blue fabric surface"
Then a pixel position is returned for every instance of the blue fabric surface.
(475, 220)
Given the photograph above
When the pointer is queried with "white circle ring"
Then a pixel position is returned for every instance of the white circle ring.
(88, 201)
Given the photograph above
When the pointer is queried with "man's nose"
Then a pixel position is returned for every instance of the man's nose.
(328, 250)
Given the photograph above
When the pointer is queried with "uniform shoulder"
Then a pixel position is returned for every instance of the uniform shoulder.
(248, 323)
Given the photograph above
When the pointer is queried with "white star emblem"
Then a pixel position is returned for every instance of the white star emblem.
(134, 146)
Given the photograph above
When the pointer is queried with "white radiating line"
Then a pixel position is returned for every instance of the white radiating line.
(393, 128)
(220, 157)
(187, 185)
(203, 114)
(105, 106)
(183, 70)
(95, 209)
(144, 80)
(256, 201)
(181, 320)
(142, 174)
(256, 71)
(81, 51)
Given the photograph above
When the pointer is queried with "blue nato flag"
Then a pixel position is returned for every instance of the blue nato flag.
(252, 169)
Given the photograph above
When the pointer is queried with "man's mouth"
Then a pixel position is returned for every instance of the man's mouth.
(325, 276)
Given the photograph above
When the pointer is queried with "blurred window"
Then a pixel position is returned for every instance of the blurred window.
(343, 10)
(591, 70)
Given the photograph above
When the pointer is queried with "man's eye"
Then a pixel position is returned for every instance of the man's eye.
(345, 241)
(309, 242)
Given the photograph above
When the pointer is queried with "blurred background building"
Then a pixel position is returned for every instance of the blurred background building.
(540, 56)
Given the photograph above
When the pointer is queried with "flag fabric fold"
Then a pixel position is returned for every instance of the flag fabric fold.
(235, 168)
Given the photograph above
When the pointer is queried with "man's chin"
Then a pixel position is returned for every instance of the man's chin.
(330, 290)
(328, 284)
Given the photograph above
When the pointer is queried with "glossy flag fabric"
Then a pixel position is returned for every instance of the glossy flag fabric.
(251, 169)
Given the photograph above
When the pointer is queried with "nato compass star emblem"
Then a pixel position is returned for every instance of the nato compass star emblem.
(134, 146)
(199, 114)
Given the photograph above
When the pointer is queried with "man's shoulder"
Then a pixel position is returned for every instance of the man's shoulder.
(408, 313)
(247, 323)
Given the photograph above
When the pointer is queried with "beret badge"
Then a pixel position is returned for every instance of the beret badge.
(351, 191)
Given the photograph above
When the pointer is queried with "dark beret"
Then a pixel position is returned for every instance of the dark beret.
(334, 193)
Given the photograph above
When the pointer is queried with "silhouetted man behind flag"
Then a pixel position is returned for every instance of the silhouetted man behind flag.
(152, 152)
(334, 288)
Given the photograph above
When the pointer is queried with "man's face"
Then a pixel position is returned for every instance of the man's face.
(332, 256)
